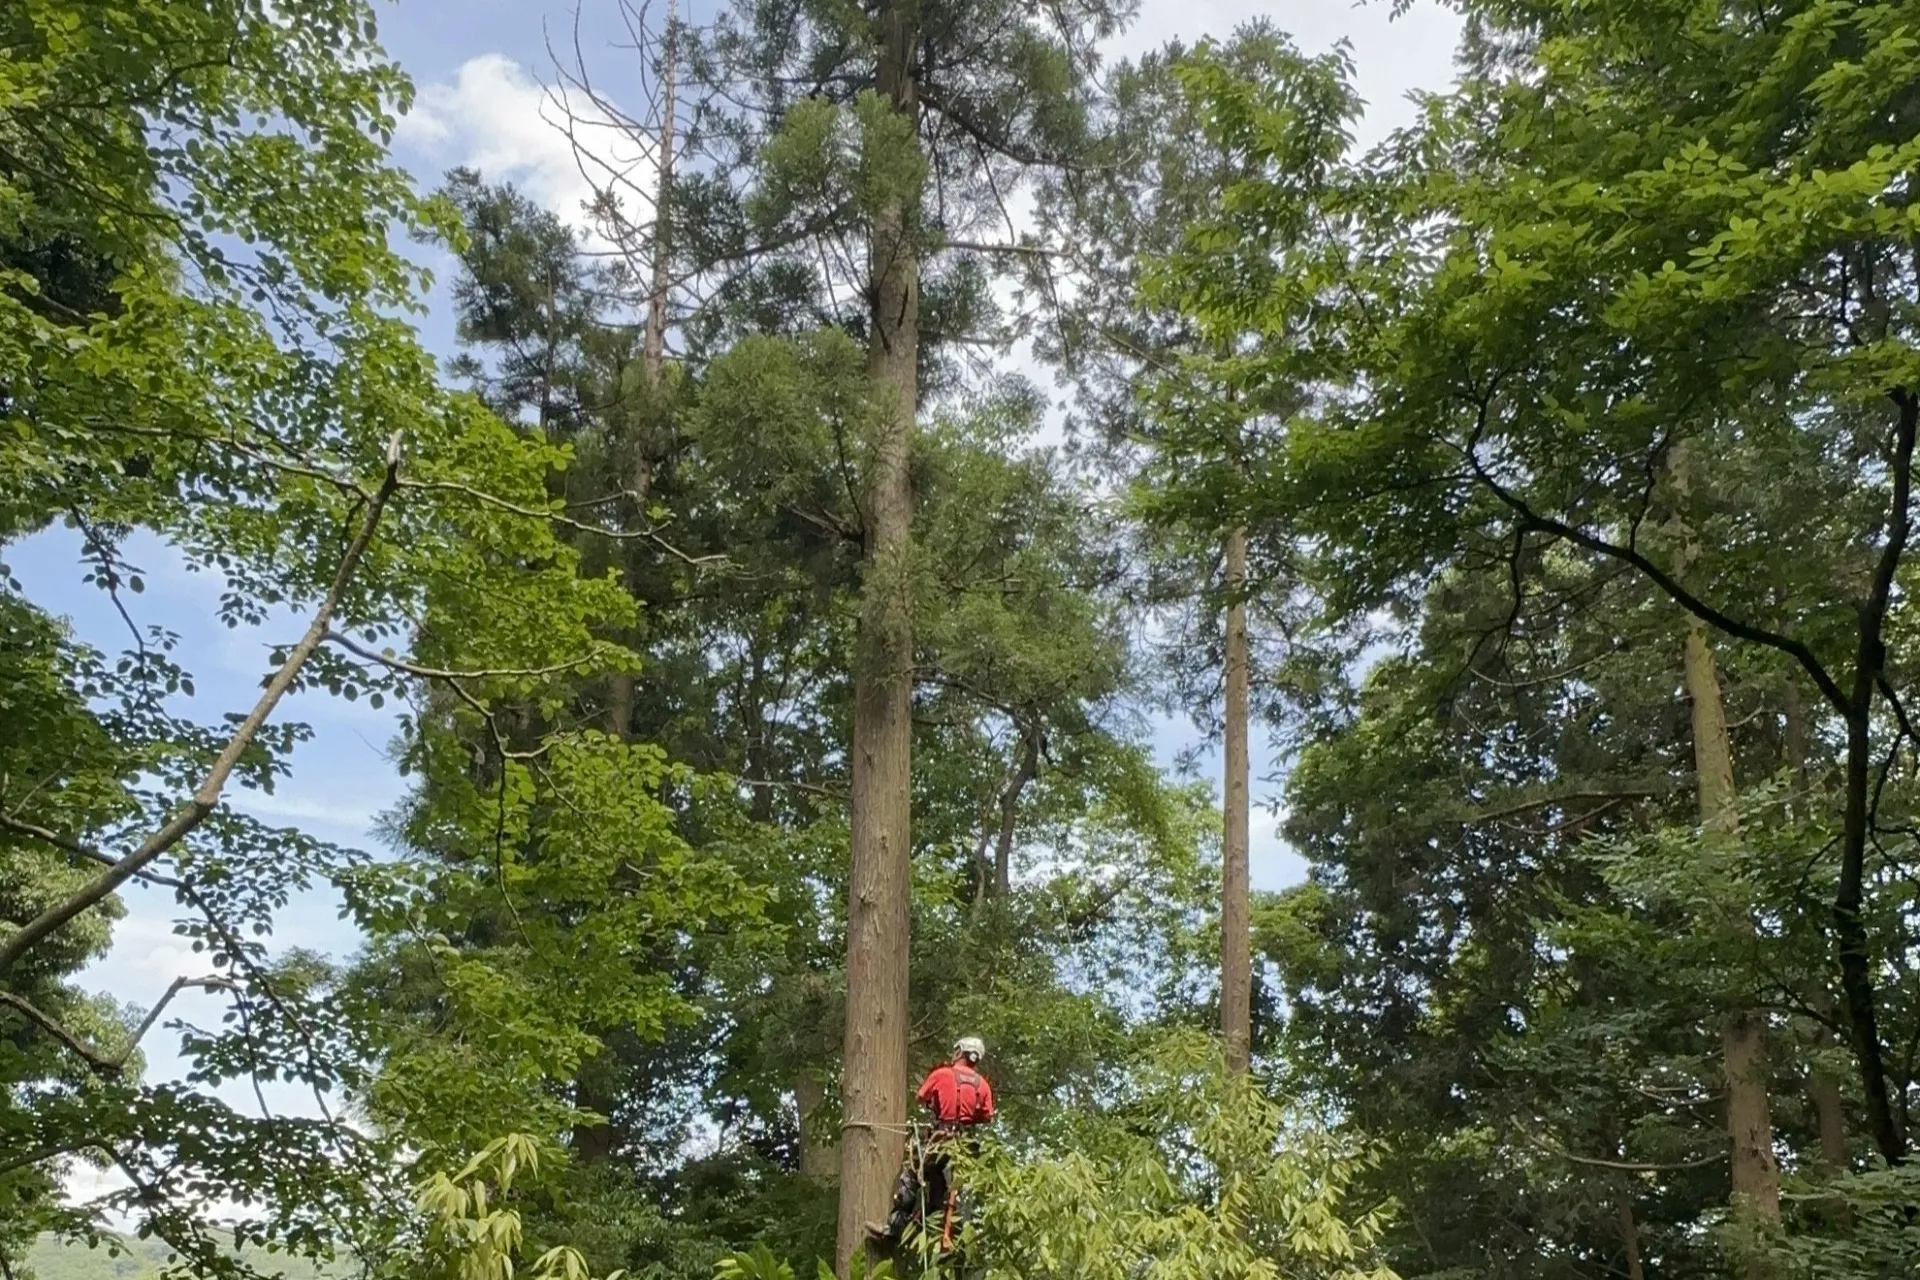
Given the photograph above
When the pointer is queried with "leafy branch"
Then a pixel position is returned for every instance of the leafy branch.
(207, 796)
(106, 1064)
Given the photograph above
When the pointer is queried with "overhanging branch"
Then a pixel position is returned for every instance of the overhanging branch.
(207, 796)
(1713, 617)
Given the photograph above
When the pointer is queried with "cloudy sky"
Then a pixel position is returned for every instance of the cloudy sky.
(480, 67)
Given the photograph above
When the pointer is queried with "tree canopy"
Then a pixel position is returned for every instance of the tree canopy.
(780, 672)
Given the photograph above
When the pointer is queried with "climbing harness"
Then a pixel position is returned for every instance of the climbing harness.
(924, 1163)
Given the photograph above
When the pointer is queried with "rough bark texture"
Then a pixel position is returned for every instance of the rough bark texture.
(592, 1143)
(1756, 1172)
(874, 1078)
(1236, 942)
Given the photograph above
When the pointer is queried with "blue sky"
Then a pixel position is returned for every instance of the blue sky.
(479, 66)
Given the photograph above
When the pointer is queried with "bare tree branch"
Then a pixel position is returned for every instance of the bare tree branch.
(75, 849)
(616, 535)
(1543, 802)
(106, 1064)
(1828, 686)
(434, 673)
(1627, 1166)
(102, 1064)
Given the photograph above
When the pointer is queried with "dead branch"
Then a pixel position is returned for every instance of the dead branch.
(1625, 1166)
(615, 535)
(434, 673)
(1568, 797)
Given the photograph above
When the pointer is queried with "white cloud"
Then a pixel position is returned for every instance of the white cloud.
(494, 116)
(307, 812)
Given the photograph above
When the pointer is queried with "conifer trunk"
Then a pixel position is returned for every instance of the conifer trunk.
(1830, 1116)
(1024, 773)
(1630, 1233)
(653, 348)
(1824, 1089)
(653, 344)
(874, 1079)
(819, 1160)
(1756, 1172)
(1236, 943)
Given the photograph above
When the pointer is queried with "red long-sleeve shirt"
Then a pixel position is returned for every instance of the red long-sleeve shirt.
(957, 1094)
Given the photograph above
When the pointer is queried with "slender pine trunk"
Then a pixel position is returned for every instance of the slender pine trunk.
(1236, 943)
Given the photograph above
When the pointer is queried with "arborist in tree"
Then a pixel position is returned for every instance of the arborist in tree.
(961, 1100)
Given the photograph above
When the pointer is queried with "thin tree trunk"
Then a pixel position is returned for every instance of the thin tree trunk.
(1027, 770)
(1236, 942)
(1630, 1232)
(1756, 1172)
(819, 1157)
(1794, 732)
(874, 1077)
(653, 348)
(1849, 900)
(1824, 1088)
(653, 344)
(1830, 1116)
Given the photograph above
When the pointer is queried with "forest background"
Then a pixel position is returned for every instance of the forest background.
(1551, 435)
(484, 74)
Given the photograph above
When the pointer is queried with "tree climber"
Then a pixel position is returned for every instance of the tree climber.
(961, 1100)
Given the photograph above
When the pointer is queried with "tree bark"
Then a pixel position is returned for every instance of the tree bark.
(819, 1158)
(653, 347)
(1024, 773)
(1869, 670)
(874, 1079)
(1236, 942)
(1756, 1171)
(1830, 1116)
(1630, 1233)
(592, 1142)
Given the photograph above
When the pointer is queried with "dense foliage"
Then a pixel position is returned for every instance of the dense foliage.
(1557, 453)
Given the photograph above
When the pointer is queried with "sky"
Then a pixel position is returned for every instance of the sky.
(479, 67)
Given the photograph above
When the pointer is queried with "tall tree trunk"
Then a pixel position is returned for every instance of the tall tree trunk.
(1857, 987)
(1630, 1232)
(874, 1076)
(1830, 1114)
(1824, 1088)
(593, 1142)
(1024, 773)
(1756, 1172)
(819, 1158)
(653, 345)
(1236, 941)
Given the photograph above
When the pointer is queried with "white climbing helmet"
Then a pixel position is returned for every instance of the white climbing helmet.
(972, 1048)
